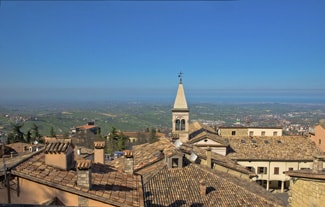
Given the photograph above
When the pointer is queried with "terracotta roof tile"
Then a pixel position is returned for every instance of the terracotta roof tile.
(271, 148)
(58, 146)
(108, 185)
(216, 158)
(83, 164)
(181, 187)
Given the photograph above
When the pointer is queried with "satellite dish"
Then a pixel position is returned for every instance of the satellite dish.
(193, 157)
(178, 143)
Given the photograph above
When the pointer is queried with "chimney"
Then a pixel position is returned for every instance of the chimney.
(318, 164)
(209, 154)
(84, 173)
(203, 189)
(59, 154)
(128, 162)
(99, 156)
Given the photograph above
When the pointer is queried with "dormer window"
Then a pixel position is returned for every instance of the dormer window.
(174, 162)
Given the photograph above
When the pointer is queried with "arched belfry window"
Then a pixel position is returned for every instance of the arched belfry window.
(183, 124)
(177, 124)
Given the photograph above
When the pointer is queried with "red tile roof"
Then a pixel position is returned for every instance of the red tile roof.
(108, 185)
(272, 148)
(180, 186)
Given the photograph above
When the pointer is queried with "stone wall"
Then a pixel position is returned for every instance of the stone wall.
(306, 192)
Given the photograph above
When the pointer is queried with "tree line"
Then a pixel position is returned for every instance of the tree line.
(15, 134)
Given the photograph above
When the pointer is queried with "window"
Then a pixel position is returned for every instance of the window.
(290, 168)
(263, 133)
(276, 170)
(319, 141)
(251, 133)
(233, 133)
(174, 162)
(251, 169)
(275, 134)
(177, 126)
(183, 124)
(262, 170)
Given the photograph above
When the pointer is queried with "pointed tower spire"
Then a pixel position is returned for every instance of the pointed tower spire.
(180, 114)
(180, 100)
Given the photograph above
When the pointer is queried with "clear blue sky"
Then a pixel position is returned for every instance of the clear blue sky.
(140, 46)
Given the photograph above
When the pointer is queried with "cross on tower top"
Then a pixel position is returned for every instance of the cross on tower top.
(180, 77)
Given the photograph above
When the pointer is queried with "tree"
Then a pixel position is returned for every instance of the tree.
(52, 132)
(15, 135)
(112, 141)
(153, 137)
(122, 142)
(28, 136)
(35, 134)
(98, 135)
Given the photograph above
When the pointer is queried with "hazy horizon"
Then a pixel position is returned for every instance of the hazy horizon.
(165, 96)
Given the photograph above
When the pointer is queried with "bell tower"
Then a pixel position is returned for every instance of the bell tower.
(180, 114)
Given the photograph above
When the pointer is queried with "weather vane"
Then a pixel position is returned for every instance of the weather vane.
(180, 77)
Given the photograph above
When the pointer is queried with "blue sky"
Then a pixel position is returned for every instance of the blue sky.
(138, 47)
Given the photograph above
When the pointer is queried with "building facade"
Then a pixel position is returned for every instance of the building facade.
(250, 131)
(270, 157)
(318, 137)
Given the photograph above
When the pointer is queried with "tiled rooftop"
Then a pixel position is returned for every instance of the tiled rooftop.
(195, 126)
(216, 158)
(146, 154)
(86, 126)
(208, 135)
(18, 146)
(181, 187)
(108, 185)
(306, 174)
(199, 131)
(271, 148)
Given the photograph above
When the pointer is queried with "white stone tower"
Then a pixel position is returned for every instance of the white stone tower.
(180, 114)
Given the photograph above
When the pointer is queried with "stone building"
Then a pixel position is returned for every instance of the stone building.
(180, 115)
(307, 187)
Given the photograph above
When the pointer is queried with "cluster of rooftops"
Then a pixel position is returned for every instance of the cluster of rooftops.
(152, 181)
